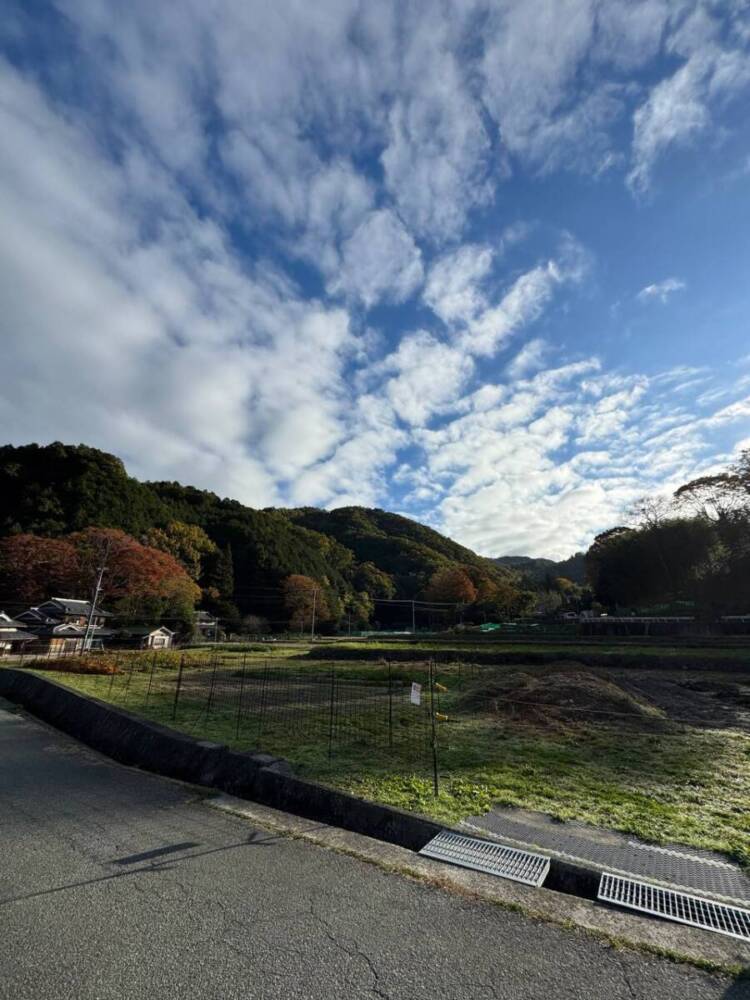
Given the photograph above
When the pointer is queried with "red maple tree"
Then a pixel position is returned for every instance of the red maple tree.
(33, 568)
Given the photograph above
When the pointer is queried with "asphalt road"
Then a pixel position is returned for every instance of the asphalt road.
(118, 884)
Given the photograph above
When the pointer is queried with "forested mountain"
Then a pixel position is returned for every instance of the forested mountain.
(57, 489)
(537, 570)
(407, 551)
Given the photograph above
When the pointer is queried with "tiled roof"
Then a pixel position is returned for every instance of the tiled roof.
(73, 606)
(15, 635)
(7, 622)
(146, 630)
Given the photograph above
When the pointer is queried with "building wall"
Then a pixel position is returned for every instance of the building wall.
(158, 641)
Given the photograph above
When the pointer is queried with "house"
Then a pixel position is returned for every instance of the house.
(59, 625)
(206, 626)
(13, 638)
(56, 639)
(148, 637)
(63, 611)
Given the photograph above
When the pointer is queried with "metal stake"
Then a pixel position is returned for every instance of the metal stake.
(210, 701)
(151, 678)
(330, 722)
(262, 701)
(177, 688)
(242, 690)
(435, 780)
(390, 706)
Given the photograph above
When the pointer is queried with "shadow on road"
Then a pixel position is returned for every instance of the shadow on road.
(156, 853)
(255, 839)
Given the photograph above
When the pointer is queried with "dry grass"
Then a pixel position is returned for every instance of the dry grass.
(552, 696)
(80, 665)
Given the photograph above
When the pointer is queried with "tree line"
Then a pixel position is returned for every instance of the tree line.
(243, 565)
(690, 550)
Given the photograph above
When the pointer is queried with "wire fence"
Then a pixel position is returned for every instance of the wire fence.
(272, 706)
(388, 711)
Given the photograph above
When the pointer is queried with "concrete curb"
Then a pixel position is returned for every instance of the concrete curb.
(616, 928)
(259, 777)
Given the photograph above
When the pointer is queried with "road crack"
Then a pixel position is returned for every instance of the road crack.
(626, 975)
(353, 951)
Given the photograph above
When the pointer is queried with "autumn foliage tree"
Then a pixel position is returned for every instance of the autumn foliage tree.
(505, 599)
(301, 595)
(139, 582)
(33, 568)
(451, 585)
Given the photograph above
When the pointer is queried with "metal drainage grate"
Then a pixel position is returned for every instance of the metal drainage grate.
(487, 856)
(680, 906)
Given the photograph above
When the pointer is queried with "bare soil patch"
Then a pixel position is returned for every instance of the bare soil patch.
(565, 694)
(709, 701)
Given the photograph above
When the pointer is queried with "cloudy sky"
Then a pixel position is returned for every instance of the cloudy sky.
(482, 263)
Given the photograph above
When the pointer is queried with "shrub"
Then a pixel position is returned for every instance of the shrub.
(80, 665)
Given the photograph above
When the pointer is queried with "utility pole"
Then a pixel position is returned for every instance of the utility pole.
(88, 635)
(312, 626)
(413, 620)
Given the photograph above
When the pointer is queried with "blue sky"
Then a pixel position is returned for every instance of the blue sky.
(485, 264)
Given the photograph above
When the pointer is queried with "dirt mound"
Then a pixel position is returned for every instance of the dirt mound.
(554, 696)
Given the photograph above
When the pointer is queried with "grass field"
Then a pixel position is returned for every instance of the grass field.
(730, 651)
(661, 754)
(734, 652)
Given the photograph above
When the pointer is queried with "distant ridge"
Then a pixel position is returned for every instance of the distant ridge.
(573, 568)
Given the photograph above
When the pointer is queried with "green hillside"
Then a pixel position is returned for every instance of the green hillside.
(536, 570)
(55, 489)
(407, 551)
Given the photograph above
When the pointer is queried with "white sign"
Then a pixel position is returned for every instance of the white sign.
(416, 694)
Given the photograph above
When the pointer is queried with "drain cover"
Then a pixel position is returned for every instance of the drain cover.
(680, 906)
(680, 867)
(489, 857)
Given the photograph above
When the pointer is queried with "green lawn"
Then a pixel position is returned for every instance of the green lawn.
(688, 784)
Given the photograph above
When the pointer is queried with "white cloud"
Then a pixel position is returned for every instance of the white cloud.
(525, 300)
(629, 32)
(353, 474)
(437, 155)
(661, 290)
(380, 260)
(429, 376)
(519, 476)
(207, 201)
(531, 56)
(152, 315)
(681, 107)
(674, 114)
(453, 290)
(739, 410)
(530, 357)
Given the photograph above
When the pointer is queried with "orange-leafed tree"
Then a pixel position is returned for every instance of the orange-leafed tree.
(301, 595)
(139, 582)
(33, 568)
(451, 585)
